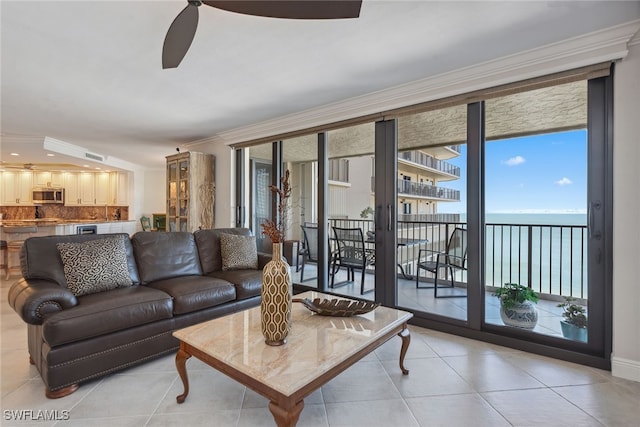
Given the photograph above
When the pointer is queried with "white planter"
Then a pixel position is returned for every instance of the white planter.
(523, 315)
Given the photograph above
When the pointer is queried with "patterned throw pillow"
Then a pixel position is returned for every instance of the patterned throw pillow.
(238, 252)
(95, 265)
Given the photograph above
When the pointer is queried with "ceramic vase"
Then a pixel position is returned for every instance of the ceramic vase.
(276, 298)
(523, 315)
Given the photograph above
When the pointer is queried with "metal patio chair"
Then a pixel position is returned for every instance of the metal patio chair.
(454, 258)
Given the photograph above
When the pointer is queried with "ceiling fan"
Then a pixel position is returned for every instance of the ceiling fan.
(20, 166)
(183, 28)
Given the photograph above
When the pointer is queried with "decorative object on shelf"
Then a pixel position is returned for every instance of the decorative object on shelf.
(574, 325)
(276, 275)
(517, 305)
(337, 307)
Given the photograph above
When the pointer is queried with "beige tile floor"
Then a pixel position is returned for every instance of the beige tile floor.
(453, 381)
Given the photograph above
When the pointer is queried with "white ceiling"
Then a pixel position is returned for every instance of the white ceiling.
(89, 72)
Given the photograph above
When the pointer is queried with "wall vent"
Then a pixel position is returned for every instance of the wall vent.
(94, 157)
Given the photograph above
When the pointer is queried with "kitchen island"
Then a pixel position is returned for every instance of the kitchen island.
(57, 226)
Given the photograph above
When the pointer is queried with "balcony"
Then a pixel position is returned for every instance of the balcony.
(432, 192)
(427, 161)
(550, 259)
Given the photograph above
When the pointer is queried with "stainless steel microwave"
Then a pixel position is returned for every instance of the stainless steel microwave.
(48, 195)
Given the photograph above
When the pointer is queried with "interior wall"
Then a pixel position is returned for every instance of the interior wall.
(626, 205)
(154, 198)
(224, 177)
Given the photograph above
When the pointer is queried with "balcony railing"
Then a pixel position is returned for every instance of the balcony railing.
(410, 188)
(455, 148)
(431, 162)
(551, 259)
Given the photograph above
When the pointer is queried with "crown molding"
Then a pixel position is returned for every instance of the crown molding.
(605, 45)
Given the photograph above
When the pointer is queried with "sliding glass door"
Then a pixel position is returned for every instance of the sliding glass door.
(431, 198)
(453, 203)
(536, 201)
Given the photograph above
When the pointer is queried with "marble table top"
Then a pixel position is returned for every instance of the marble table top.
(315, 345)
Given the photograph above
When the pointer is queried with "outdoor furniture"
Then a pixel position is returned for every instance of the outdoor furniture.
(352, 254)
(309, 250)
(453, 258)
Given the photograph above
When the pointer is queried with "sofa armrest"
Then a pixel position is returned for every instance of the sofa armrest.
(35, 299)
(263, 259)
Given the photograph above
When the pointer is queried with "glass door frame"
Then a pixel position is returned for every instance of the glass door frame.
(597, 352)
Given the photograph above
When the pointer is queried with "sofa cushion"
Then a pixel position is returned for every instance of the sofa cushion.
(238, 252)
(248, 283)
(40, 258)
(107, 312)
(192, 293)
(165, 255)
(208, 242)
(95, 265)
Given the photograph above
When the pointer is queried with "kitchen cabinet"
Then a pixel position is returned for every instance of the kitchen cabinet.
(119, 189)
(190, 191)
(71, 189)
(102, 189)
(48, 179)
(16, 188)
(80, 189)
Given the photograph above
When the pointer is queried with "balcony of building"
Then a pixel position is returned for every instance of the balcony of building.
(443, 151)
(423, 164)
(416, 190)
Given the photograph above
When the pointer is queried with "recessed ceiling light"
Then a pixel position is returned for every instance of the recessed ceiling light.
(15, 154)
(97, 168)
(85, 166)
(50, 155)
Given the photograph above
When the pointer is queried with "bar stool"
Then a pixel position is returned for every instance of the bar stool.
(4, 264)
(19, 234)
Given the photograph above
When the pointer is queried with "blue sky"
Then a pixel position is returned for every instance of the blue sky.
(541, 173)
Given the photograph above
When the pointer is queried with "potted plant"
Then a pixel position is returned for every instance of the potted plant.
(371, 235)
(574, 325)
(517, 305)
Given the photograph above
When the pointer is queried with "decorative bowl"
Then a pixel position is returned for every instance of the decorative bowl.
(337, 307)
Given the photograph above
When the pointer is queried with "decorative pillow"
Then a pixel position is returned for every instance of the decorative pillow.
(95, 265)
(238, 252)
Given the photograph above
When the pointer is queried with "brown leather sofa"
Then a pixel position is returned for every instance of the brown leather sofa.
(177, 281)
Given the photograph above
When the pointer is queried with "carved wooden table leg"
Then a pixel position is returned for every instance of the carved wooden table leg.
(181, 365)
(406, 339)
(286, 417)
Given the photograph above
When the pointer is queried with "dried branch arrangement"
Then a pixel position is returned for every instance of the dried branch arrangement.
(277, 230)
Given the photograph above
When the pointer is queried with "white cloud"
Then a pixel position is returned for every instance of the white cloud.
(514, 161)
(564, 181)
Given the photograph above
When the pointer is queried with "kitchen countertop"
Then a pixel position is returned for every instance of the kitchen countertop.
(44, 222)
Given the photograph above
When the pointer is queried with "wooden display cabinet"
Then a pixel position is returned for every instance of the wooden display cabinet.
(190, 191)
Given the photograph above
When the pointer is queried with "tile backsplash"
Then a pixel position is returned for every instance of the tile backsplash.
(64, 212)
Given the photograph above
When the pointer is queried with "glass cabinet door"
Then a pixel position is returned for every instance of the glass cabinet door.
(178, 195)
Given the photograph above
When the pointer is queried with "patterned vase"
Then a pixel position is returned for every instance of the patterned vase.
(523, 315)
(276, 298)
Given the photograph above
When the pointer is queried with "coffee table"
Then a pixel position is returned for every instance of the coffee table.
(317, 350)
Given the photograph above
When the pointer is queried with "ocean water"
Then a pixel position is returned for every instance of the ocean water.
(546, 250)
(537, 218)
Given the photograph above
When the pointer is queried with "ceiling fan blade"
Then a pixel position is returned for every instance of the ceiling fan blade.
(292, 9)
(179, 37)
